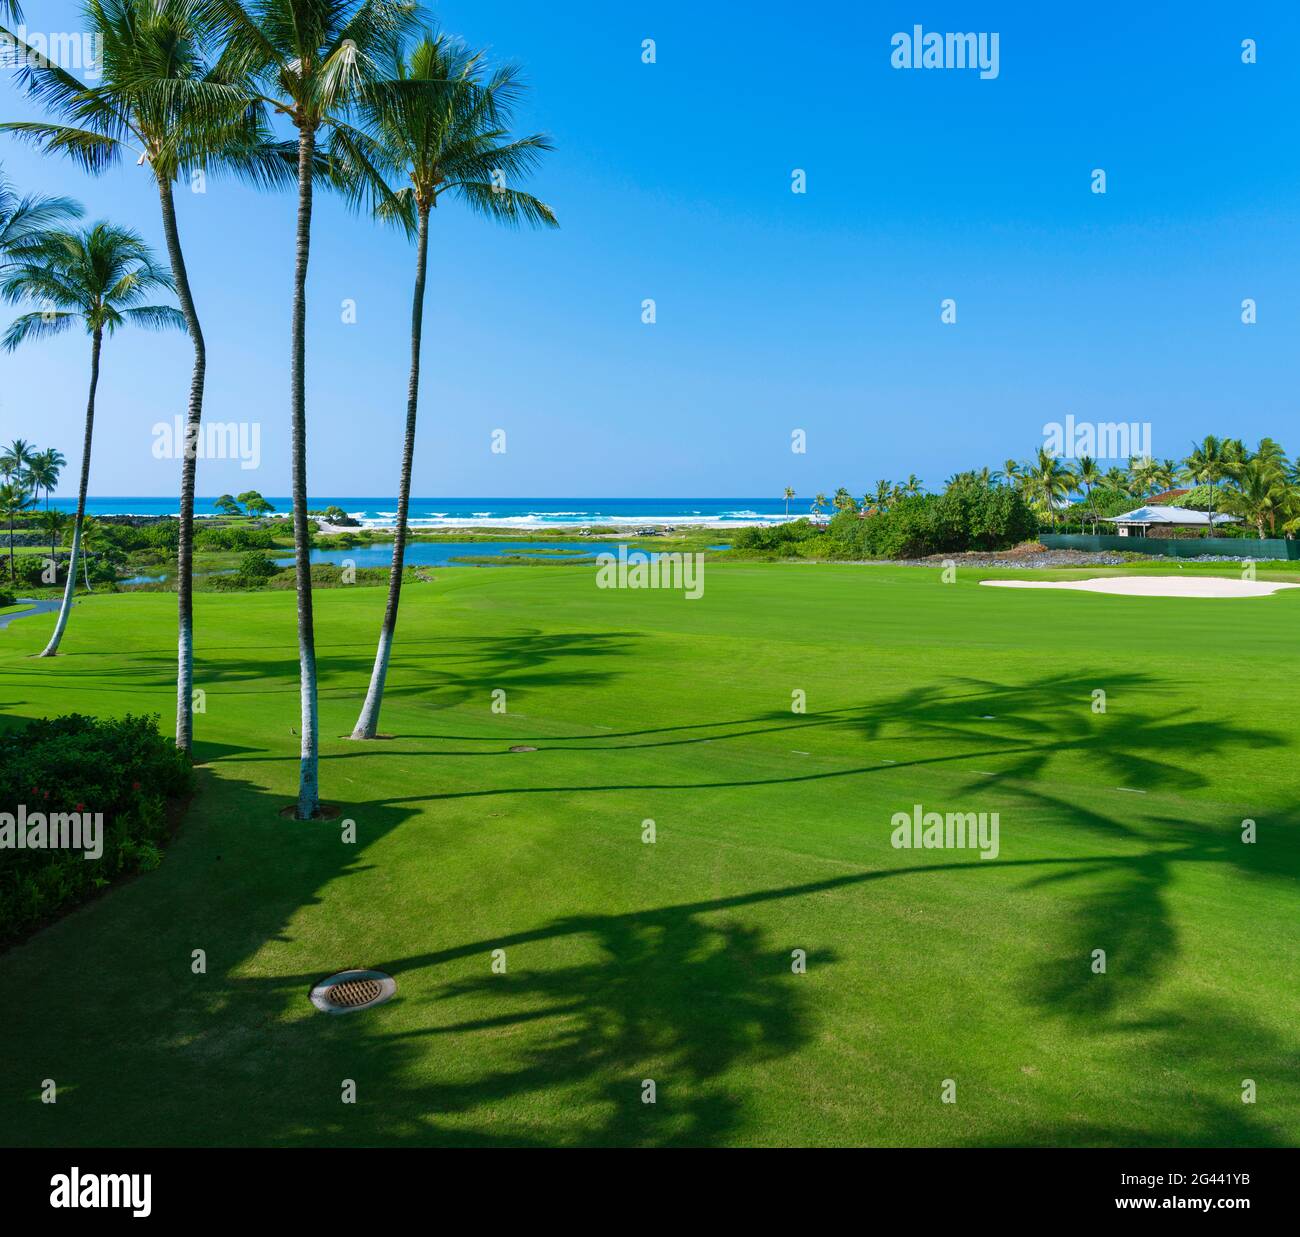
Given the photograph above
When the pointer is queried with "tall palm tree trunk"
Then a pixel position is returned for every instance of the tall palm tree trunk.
(368, 723)
(309, 757)
(97, 342)
(189, 464)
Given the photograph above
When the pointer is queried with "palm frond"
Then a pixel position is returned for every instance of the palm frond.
(36, 326)
(358, 168)
(157, 317)
(92, 152)
(507, 206)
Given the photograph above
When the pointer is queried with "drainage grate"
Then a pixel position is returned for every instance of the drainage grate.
(353, 993)
(352, 990)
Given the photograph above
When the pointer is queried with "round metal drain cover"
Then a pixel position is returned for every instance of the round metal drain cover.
(352, 990)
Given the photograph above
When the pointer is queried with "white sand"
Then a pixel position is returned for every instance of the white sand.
(1155, 586)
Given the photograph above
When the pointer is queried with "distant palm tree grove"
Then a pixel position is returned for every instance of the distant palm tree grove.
(1260, 488)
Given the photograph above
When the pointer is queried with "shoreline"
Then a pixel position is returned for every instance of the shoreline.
(592, 532)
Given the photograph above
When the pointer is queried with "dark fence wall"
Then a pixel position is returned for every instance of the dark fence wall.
(1177, 547)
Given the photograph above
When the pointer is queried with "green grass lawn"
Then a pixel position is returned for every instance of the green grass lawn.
(672, 961)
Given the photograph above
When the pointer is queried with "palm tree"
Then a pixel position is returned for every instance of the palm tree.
(818, 503)
(1087, 475)
(97, 277)
(92, 539)
(911, 487)
(15, 463)
(157, 100)
(1143, 475)
(16, 458)
(1012, 472)
(44, 470)
(53, 521)
(843, 500)
(312, 59)
(444, 122)
(1259, 494)
(788, 495)
(15, 500)
(23, 220)
(1210, 462)
(880, 500)
(1272, 458)
(1048, 482)
(1116, 480)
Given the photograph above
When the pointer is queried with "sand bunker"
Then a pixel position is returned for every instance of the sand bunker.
(1154, 586)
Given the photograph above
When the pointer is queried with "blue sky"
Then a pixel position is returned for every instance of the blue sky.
(776, 311)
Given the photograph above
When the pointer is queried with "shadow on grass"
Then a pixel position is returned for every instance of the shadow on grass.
(683, 994)
(444, 671)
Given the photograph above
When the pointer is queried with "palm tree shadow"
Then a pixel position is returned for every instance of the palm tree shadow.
(670, 999)
(681, 994)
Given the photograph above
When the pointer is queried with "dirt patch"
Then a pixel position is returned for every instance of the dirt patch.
(327, 811)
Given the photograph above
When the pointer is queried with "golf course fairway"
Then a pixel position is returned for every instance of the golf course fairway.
(770, 961)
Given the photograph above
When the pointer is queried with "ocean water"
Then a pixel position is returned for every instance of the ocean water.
(530, 513)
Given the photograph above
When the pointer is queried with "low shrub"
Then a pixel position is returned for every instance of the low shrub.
(120, 769)
(255, 569)
(30, 569)
(234, 537)
(965, 517)
(796, 539)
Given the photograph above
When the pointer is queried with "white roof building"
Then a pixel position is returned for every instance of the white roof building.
(1147, 517)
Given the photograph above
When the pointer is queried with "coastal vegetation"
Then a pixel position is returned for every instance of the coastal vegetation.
(994, 509)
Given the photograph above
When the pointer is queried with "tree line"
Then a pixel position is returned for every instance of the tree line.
(1260, 486)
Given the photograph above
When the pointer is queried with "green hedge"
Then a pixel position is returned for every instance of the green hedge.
(965, 517)
(120, 768)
